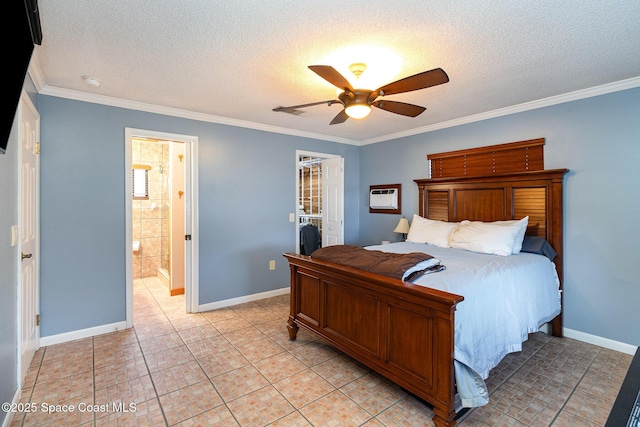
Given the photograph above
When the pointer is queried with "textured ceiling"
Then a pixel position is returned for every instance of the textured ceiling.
(234, 61)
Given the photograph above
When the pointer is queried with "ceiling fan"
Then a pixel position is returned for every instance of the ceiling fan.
(357, 102)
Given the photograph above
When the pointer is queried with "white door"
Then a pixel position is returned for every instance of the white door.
(177, 217)
(332, 201)
(29, 231)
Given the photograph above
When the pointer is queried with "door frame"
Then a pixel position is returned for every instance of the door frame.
(191, 286)
(300, 153)
(25, 101)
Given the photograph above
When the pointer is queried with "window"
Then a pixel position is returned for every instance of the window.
(140, 182)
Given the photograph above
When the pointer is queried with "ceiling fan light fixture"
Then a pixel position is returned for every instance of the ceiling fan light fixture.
(358, 111)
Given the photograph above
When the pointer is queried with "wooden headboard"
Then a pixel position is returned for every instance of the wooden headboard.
(498, 197)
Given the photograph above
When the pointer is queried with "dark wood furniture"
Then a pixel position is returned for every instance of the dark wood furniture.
(403, 331)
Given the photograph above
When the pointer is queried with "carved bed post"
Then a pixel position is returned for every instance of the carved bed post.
(293, 299)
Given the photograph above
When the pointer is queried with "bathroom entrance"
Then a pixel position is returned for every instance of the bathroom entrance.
(161, 202)
(158, 189)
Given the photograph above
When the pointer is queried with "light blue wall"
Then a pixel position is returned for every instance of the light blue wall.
(246, 192)
(598, 139)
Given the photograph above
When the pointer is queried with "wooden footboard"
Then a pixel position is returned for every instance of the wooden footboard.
(404, 332)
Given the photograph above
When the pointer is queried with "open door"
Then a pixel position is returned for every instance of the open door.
(332, 202)
(28, 296)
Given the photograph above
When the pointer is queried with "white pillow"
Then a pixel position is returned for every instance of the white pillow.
(498, 238)
(519, 238)
(436, 233)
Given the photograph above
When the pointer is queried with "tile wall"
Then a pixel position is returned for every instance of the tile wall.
(150, 218)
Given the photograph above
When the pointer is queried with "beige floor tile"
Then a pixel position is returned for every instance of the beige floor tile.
(61, 412)
(217, 417)
(249, 310)
(244, 336)
(222, 362)
(260, 349)
(198, 333)
(303, 388)
(189, 321)
(209, 346)
(335, 409)
(294, 419)
(408, 412)
(190, 401)
(126, 370)
(161, 343)
(63, 389)
(239, 382)
(220, 314)
(373, 393)
(340, 370)
(231, 324)
(167, 358)
(279, 366)
(57, 370)
(147, 414)
(260, 407)
(566, 419)
(111, 355)
(177, 377)
(114, 339)
(134, 391)
(314, 353)
(273, 327)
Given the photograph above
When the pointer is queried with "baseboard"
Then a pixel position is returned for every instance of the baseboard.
(240, 300)
(602, 342)
(16, 399)
(82, 333)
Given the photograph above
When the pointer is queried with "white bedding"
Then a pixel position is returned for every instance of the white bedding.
(506, 298)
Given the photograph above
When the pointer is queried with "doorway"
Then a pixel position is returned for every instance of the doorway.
(158, 178)
(320, 199)
(161, 201)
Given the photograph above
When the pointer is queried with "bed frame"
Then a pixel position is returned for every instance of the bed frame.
(403, 331)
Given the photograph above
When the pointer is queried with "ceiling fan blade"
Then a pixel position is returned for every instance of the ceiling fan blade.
(340, 118)
(330, 74)
(400, 108)
(417, 81)
(295, 107)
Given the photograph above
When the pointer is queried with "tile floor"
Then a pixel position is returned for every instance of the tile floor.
(236, 367)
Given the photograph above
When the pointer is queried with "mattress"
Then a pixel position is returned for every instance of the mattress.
(506, 298)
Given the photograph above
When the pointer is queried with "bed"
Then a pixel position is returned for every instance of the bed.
(406, 331)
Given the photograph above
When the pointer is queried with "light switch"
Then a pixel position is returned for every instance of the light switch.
(14, 235)
(292, 217)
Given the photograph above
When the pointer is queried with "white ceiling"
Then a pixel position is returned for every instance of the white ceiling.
(233, 61)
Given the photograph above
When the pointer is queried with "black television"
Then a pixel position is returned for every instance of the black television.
(24, 18)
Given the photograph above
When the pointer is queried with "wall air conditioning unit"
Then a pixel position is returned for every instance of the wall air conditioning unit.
(383, 198)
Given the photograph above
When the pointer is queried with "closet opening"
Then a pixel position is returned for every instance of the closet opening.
(310, 203)
(319, 197)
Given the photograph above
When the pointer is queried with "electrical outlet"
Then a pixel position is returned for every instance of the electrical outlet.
(272, 264)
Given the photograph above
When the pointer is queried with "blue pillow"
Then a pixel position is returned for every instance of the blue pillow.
(538, 245)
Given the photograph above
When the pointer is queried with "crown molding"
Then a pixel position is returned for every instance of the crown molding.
(185, 114)
(526, 106)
